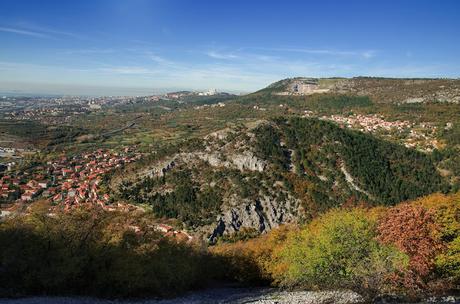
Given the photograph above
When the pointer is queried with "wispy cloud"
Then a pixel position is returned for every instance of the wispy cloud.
(32, 30)
(159, 59)
(46, 30)
(129, 70)
(6, 65)
(218, 55)
(88, 51)
(369, 54)
(273, 55)
(23, 32)
(332, 52)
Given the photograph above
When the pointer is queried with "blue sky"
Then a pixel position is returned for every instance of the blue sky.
(140, 46)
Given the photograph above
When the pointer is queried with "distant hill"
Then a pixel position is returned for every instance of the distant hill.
(198, 98)
(383, 90)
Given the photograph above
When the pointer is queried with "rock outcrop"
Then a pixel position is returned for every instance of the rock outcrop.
(262, 214)
(241, 161)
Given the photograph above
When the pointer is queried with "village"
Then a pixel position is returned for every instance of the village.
(66, 183)
(71, 182)
(421, 136)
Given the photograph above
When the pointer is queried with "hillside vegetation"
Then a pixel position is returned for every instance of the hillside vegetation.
(411, 249)
(98, 253)
(387, 173)
(279, 171)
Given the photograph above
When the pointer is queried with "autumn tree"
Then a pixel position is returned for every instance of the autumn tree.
(413, 230)
(339, 250)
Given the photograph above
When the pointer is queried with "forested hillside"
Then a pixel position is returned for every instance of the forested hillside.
(387, 173)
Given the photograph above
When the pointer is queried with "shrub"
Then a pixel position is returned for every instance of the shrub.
(446, 210)
(414, 231)
(256, 260)
(448, 263)
(339, 250)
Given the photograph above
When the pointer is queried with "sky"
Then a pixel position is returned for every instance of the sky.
(140, 47)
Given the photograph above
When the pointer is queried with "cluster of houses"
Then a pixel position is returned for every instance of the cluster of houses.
(60, 109)
(78, 180)
(68, 181)
(420, 136)
(256, 107)
(9, 188)
(49, 115)
(214, 105)
(369, 123)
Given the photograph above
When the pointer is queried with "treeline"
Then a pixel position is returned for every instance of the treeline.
(412, 249)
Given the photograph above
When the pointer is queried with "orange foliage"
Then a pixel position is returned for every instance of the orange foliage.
(302, 188)
(413, 230)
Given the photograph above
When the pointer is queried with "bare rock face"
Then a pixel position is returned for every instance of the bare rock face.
(262, 214)
(248, 161)
(214, 159)
(241, 161)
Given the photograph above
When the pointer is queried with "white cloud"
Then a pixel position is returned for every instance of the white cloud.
(46, 30)
(23, 32)
(369, 54)
(159, 59)
(27, 29)
(218, 55)
(133, 70)
(88, 51)
(331, 52)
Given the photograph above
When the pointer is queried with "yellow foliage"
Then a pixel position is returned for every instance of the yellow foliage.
(256, 259)
(447, 212)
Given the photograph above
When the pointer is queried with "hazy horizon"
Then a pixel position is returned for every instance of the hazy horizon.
(36, 89)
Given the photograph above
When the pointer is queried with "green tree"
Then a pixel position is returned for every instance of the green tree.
(340, 250)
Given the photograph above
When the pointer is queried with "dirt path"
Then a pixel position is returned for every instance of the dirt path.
(231, 295)
(215, 296)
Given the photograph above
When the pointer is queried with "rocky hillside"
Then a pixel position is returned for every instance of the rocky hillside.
(255, 177)
(383, 90)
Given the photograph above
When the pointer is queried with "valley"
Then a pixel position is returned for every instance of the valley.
(193, 177)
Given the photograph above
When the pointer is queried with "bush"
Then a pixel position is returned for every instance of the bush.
(446, 212)
(255, 261)
(413, 230)
(448, 263)
(339, 250)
